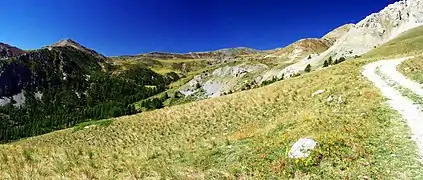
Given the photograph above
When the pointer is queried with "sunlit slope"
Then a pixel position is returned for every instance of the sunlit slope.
(240, 135)
(407, 43)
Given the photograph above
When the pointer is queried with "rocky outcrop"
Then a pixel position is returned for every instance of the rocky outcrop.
(221, 80)
(237, 71)
(18, 99)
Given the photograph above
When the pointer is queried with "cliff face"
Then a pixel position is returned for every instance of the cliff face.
(379, 28)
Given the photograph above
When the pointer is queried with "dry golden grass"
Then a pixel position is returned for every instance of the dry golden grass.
(244, 135)
(406, 44)
(239, 136)
(413, 68)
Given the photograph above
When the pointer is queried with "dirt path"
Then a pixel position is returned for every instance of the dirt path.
(406, 107)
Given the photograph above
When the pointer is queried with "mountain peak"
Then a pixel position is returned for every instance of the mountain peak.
(337, 33)
(67, 42)
(71, 43)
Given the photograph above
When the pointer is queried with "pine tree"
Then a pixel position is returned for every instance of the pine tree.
(336, 61)
(325, 64)
(308, 68)
(330, 60)
(341, 59)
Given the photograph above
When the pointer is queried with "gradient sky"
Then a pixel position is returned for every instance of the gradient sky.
(123, 27)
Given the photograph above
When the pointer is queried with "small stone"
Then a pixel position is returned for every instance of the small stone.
(330, 99)
(340, 100)
(90, 126)
(318, 92)
(302, 148)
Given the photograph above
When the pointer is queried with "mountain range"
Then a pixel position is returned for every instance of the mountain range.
(350, 40)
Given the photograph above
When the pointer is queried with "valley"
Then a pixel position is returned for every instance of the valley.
(237, 113)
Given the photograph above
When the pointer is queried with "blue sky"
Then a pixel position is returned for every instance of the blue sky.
(123, 27)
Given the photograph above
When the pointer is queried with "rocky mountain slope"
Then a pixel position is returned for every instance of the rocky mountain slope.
(257, 68)
(221, 81)
(64, 84)
(337, 33)
(379, 28)
(41, 69)
(299, 49)
(355, 40)
(9, 51)
(74, 44)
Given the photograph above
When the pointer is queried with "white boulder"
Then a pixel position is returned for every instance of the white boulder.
(302, 148)
(317, 92)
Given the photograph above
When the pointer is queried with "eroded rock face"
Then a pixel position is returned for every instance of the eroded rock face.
(221, 80)
(237, 71)
(379, 28)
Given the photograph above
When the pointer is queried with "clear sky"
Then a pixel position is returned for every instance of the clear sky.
(123, 27)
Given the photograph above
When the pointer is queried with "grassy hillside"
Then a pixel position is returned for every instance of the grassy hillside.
(413, 69)
(242, 135)
(407, 43)
(162, 66)
(55, 88)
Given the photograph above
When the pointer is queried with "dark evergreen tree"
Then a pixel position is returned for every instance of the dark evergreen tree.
(64, 86)
(308, 68)
(330, 60)
(325, 64)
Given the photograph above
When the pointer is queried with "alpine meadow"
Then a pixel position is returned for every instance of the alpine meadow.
(346, 105)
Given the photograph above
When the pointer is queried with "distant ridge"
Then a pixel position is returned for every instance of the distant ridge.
(10, 51)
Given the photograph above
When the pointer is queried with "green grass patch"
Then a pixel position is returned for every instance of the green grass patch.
(180, 60)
